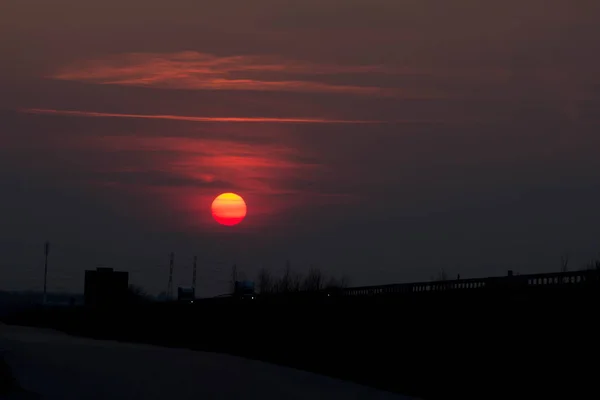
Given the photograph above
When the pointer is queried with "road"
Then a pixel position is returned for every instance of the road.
(50, 365)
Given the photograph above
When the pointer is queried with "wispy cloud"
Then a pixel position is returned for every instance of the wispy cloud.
(200, 71)
(198, 168)
(94, 114)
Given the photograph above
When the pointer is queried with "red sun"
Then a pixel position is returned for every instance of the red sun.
(228, 209)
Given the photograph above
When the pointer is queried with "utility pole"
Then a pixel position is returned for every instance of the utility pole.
(46, 251)
(170, 286)
(194, 275)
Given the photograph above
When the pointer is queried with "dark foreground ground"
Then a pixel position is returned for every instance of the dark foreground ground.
(7, 381)
(529, 344)
(50, 365)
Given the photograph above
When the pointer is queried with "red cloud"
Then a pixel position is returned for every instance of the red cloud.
(75, 113)
(184, 174)
(199, 71)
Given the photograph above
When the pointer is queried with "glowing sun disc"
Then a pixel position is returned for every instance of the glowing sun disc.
(228, 209)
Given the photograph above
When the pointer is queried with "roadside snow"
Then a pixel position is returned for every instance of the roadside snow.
(60, 367)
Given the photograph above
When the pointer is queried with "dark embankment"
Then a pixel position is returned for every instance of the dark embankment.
(478, 344)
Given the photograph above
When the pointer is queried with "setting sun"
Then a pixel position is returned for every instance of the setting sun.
(228, 209)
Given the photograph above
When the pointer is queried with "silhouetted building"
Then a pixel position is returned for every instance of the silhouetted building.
(186, 295)
(104, 286)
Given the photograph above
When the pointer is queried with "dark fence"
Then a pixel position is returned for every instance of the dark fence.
(507, 282)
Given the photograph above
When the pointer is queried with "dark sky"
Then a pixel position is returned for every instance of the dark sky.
(378, 139)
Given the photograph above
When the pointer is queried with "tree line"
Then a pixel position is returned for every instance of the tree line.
(292, 282)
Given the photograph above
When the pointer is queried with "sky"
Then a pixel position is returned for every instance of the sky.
(379, 140)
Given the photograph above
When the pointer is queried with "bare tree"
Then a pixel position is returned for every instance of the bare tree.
(564, 262)
(593, 265)
(292, 282)
(442, 276)
(265, 281)
(296, 282)
(334, 283)
(289, 282)
(313, 282)
(284, 284)
(344, 282)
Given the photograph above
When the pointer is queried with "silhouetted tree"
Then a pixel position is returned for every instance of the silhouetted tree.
(564, 265)
(335, 283)
(564, 262)
(293, 282)
(345, 281)
(290, 281)
(296, 282)
(284, 284)
(313, 282)
(442, 276)
(593, 265)
(137, 295)
(265, 281)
